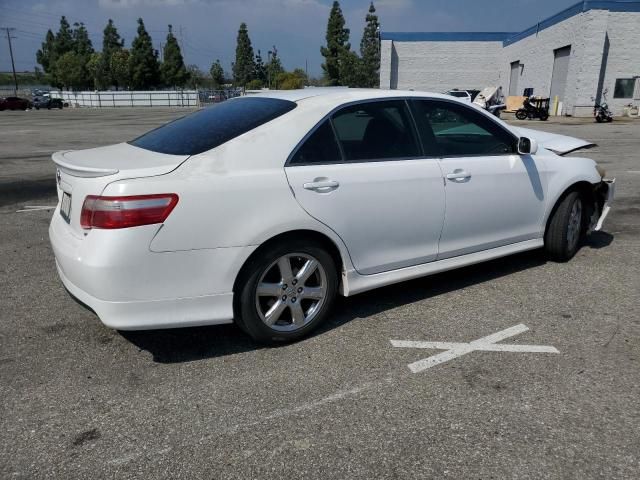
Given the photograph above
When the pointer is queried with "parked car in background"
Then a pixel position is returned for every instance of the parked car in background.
(47, 102)
(262, 209)
(14, 103)
(464, 95)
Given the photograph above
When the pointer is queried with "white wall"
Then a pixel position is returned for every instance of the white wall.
(585, 33)
(439, 66)
(624, 55)
(177, 98)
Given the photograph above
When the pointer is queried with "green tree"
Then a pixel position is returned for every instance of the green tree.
(261, 70)
(337, 43)
(92, 66)
(243, 67)
(111, 44)
(370, 50)
(351, 70)
(119, 68)
(143, 61)
(274, 68)
(292, 80)
(64, 41)
(46, 55)
(254, 84)
(83, 48)
(81, 42)
(174, 73)
(54, 47)
(217, 74)
(71, 71)
(196, 77)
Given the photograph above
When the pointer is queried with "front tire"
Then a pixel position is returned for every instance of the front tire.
(566, 228)
(286, 292)
(521, 115)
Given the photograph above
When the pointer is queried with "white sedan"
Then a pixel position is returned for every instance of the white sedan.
(263, 208)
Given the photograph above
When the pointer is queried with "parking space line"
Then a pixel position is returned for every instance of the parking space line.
(456, 349)
(35, 208)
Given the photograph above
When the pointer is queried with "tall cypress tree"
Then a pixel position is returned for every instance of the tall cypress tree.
(46, 56)
(217, 74)
(174, 73)
(370, 49)
(111, 43)
(64, 38)
(82, 49)
(143, 61)
(337, 43)
(244, 66)
(260, 69)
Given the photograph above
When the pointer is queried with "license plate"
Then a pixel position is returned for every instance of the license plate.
(65, 206)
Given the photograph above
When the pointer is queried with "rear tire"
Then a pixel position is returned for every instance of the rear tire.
(566, 228)
(599, 119)
(521, 114)
(544, 116)
(274, 306)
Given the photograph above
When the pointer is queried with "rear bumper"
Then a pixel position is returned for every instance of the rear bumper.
(130, 287)
(148, 315)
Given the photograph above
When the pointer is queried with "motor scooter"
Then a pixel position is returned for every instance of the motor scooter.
(534, 107)
(601, 111)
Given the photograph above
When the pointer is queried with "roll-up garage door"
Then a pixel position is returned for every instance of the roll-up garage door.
(560, 72)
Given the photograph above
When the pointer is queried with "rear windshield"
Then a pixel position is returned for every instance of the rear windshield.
(212, 126)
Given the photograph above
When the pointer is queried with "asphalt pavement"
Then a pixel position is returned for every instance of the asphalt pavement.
(82, 401)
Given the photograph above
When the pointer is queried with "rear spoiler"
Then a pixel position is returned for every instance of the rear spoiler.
(80, 171)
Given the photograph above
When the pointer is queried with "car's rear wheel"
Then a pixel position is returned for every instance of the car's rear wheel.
(286, 292)
(566, 228)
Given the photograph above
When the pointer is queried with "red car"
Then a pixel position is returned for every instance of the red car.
(14, 103)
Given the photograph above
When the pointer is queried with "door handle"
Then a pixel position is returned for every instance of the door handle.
(458, 175)
(321, 185)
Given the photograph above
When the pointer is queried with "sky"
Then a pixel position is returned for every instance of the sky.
(207, 29)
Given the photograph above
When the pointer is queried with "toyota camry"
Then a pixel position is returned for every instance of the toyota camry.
(262, 209)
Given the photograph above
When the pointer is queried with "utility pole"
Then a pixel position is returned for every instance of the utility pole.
(13, 65)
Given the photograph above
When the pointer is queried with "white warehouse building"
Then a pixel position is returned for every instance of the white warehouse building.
(574, 55)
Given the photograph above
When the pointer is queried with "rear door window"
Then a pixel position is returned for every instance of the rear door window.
(376, 131)
(320, 147)
(213, 126)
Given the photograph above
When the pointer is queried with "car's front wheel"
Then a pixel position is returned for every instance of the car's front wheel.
(566, 228)
(286, 292)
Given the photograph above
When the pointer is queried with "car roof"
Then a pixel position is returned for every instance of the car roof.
(340, 95)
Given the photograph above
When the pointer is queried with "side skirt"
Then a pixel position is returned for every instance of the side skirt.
(353, 282)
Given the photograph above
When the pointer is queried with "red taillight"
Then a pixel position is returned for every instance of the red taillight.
(124, 212)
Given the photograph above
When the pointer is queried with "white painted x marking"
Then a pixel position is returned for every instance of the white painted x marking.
(455, 350)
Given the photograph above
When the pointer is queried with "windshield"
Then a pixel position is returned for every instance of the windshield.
(212, 126)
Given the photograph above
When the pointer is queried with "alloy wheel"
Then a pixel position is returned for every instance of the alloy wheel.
(291, 292)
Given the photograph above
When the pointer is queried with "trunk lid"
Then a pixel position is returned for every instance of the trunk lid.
(88, 172)
(560, 144)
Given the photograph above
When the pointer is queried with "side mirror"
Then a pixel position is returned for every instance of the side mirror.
(527, 146)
